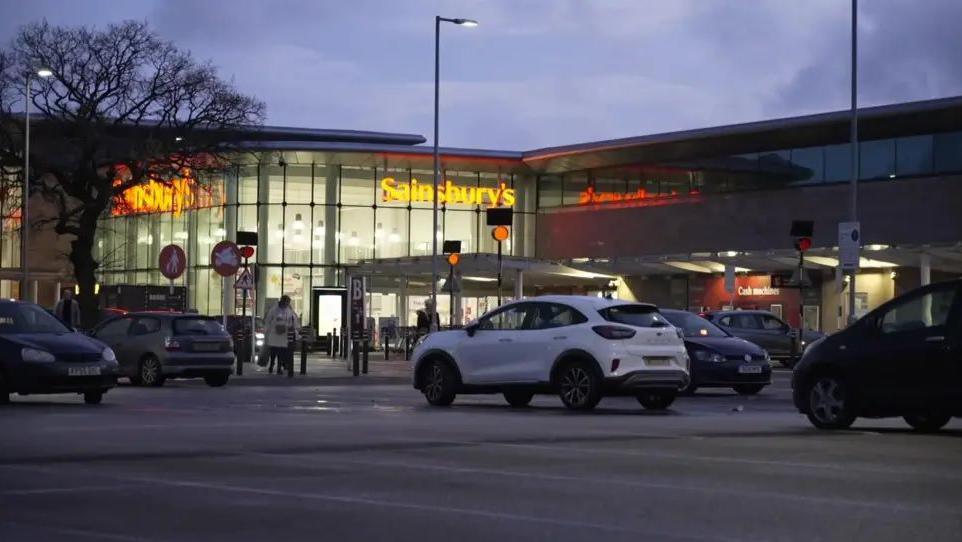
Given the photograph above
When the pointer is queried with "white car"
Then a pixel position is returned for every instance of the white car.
(577, 346)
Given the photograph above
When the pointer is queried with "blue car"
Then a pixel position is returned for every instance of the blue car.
(719, 359)
(40, 355)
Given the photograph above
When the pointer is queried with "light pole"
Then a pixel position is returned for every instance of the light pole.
(25, 193)
(437, 162)
(853, 183)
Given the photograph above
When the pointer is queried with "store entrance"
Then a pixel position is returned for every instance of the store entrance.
(328, 314)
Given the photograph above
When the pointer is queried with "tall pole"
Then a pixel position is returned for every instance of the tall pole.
(24, 197)
(853, 211)
(437, 174)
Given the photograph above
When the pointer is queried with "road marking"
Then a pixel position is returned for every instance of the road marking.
(761, 494)
(82, 533)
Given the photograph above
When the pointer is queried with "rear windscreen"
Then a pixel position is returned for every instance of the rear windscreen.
(197, 326)
(635, 315)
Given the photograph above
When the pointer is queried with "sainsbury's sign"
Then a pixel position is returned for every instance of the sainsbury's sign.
(173, 196)
(449, 193)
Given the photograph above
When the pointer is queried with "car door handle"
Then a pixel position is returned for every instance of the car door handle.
(935, 339)
(505, 340)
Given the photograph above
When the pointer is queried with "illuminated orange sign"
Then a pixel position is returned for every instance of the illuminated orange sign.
(173, 196)
(590, 196)
(450, 193)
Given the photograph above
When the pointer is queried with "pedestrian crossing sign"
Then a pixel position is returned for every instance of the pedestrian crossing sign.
(245, 281)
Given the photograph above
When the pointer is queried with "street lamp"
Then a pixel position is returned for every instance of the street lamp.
(25, 194)
(437, 164)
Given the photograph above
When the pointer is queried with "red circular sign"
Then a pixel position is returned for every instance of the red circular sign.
(226, 258)
(172, 261)
(247, 252)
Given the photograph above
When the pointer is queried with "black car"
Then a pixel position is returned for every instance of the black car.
(902, 359)
(718, 359)
(767, 331)
(39, 355)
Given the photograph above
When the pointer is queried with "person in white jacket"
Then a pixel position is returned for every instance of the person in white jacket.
(280, 334)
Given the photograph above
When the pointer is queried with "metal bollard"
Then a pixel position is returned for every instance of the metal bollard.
(303, 356)
(330, 345)
(387, 348)
(355, 357)
(407, 348)
(364, 353)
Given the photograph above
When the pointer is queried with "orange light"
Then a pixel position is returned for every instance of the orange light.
(454, 258)
(500, 233)
(449, 193)
(172, 196)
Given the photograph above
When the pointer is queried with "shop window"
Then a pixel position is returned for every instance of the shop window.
(913, 155)
(297, 284)
(273, 175)
(247, 184)
(356, 234)
(549, 191)
(421, 225)
(575, 187)
(357, 185)
(391, 233)
(324, 234)
(326, 183)
(297, 234)
(272, 247)
(461, 226)
(838, 162)
(948, 152)
(298, 189)
(876, 159)
(809, 164)
(422, 177)
(394, 184)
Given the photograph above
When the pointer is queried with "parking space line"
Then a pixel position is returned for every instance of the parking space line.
(50, 490)
(78, 533)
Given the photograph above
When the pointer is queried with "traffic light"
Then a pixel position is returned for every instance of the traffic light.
(500, 233)
(454, 259)
(802, 244)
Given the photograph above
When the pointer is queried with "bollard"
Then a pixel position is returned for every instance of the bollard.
(330, 345)
(364, 349)
(344, 344)
(407, 348)
(303, 356)
(387, 348)
(356, 358)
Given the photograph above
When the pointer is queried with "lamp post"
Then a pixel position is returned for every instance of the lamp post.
(853, 183)
(437, 163)
(25, 194)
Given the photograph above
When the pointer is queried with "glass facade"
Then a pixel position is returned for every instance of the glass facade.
(927, 154)
(312, 221)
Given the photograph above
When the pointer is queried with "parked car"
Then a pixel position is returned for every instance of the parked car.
(766, 330)
(719, 359)
(902, 359)
(38, 355)
(579, 347)
(152, 347)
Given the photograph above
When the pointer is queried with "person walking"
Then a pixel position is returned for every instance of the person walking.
(280, 334)
(67, 309)
(426, 317)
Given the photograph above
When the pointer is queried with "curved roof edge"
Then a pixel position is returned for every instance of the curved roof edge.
(274, 133)
(371, 147)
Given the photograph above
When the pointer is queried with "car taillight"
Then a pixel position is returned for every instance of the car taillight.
(614, 332)
(171, 344)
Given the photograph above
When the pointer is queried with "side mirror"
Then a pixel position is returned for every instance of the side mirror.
(472, 329)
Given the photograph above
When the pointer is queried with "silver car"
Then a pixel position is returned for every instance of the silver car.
(152, 347)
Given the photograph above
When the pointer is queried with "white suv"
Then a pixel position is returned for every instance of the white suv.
(579, 347)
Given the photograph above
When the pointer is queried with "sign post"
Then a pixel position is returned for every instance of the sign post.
(356, 318)
(245, 283)
(225, 257)
(172, 262)
(849, 243)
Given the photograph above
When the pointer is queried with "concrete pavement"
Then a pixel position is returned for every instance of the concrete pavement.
(334, 461)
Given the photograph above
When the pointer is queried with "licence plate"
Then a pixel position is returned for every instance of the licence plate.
(658, 362)
(750, 369)
(206, 347)
(83, 371)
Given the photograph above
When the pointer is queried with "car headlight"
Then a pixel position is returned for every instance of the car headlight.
(36, 356)
(109, 355)
(708, 355)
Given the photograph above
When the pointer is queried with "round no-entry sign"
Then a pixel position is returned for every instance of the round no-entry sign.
(172, 261)
(226, 258)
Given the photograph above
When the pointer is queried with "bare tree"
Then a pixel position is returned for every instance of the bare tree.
(122, 108)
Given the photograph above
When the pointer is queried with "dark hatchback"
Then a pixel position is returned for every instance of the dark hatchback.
(902, 359)
(40, 355)
(718, 359)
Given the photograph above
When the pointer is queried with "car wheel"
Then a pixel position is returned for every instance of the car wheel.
(579, 386)
(830, 403)
(928, 423)
(518, 398)
(93, 397)
(438, 384)
(217, 380)
(656, 400)
(689, 388)
(150, 372)
(748, 389)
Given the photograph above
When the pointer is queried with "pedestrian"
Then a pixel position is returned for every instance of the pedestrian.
(280, 335)
(425, 318)
(68, 310)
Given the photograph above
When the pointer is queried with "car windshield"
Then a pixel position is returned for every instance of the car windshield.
(635, 315)
(22, 318)
(694, 325)
(197, 326)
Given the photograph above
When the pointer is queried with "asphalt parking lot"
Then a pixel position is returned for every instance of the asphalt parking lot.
(342, 461)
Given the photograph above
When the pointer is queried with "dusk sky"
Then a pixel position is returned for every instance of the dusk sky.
(547, 72)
